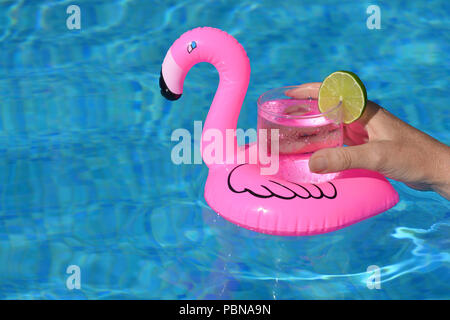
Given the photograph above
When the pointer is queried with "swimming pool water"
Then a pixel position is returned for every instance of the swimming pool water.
(85, 170)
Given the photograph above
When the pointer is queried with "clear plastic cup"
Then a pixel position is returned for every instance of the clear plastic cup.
(303, 129)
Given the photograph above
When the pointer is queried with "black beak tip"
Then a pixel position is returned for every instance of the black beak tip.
(165, 91)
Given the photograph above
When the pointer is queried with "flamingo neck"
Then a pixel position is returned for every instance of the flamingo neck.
(222, 116)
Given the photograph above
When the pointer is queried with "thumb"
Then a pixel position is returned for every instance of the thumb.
(365, 156)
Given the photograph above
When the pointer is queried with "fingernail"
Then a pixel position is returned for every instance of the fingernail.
(320, 164)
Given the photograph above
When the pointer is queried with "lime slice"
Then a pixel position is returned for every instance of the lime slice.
(344, 87)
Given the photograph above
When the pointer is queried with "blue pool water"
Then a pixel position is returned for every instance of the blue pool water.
(85, 171)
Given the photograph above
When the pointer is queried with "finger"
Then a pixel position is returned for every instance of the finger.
(304, 91)
(365, 128)
(370, 111)
(355, 134)
(366, 156)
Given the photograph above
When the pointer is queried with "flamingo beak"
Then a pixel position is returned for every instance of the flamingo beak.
(165, 91)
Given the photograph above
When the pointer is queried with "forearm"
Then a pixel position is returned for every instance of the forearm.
(419, 160)
(441, 176)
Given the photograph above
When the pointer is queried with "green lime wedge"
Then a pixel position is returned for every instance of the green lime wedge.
(347, 88)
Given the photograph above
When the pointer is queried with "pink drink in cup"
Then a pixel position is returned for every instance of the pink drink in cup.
(303, 129)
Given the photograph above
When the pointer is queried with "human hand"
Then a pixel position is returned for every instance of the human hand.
(381, 142)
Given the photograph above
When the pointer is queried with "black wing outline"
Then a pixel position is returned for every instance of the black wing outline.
(273, 194)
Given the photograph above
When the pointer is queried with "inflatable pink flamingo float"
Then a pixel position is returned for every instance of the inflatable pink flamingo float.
(238, 191)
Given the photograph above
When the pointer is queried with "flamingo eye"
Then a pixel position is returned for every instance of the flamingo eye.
(191, 46)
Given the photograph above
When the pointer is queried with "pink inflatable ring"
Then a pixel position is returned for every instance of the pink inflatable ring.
(237, 191)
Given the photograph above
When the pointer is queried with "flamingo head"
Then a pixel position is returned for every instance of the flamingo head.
(165, 90)
(202, 45)
(181, 56)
